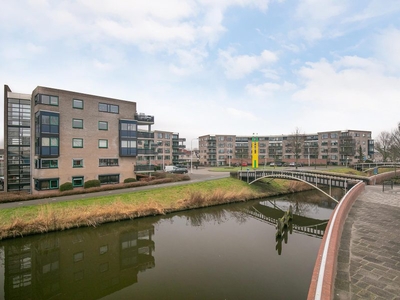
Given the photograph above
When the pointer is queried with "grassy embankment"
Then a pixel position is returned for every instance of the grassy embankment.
(94, 211)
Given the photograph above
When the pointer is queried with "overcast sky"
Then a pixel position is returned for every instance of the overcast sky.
(215, 66)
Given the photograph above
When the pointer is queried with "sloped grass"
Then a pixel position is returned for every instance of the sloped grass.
(94, 211)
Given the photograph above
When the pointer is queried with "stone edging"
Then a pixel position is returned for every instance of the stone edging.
(323, 277)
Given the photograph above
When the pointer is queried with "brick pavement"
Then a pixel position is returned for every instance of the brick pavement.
(368, 264)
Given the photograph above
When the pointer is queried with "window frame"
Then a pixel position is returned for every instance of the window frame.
(75, 140)
(99, 144)
(74, 163)
(104, 123)
(78, 178)
(77, 126)
(74, 101)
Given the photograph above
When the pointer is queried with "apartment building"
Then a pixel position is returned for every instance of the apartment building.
(55, 136)
(339, 147)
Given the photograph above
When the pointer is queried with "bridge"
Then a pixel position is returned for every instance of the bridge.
(309, 177)
(303, 225)
(369, 166)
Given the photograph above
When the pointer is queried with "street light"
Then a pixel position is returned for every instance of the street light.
(191, 155)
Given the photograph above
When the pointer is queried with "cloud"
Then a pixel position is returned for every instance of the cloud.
(387, 47)
(269, 88)
(240, 114)
(239, 66)
(356, 89)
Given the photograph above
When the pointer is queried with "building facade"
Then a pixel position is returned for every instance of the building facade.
(55, 136)
(341, 147)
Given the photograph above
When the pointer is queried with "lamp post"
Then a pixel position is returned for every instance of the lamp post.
(191, 155)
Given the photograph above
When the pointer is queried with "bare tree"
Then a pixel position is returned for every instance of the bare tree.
(296, 143)
(383, 144)
(394, 150)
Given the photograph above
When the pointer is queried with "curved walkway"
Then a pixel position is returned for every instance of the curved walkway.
(368, 262)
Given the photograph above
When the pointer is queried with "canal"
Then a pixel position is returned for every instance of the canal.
(222, 252)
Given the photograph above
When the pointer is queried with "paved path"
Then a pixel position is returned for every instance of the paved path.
(369, 253)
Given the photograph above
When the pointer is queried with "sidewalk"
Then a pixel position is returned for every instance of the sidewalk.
(368, 264)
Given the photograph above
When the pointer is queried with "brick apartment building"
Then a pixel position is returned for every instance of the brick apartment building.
(55, 136)
(339, 147)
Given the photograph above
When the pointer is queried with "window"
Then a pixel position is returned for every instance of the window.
(103, 125)
(77, 143)
(107, 162)
(77, 123)
(127, 136)
(78, 256)
(103, 249)
(107, 179)
(46, 99)
(76, 103)
(103, 143)
(77, 181)
(77, 163)
(47, 122)
(47, 164)
(49, 146)
(110, 108)
(46, 184)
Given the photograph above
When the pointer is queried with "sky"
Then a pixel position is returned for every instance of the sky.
(242, 67)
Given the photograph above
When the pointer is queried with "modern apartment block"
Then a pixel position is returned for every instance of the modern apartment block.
(55, 136)
(339, 147)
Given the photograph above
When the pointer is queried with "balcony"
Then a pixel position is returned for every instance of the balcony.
(145, 135)
(148, 151)
(145, 119)
(144, 168)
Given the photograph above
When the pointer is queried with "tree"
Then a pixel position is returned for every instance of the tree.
(394, 150)
(296, 142)
(383, 144)
(360, 155)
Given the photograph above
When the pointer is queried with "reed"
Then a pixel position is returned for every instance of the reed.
(95, 211)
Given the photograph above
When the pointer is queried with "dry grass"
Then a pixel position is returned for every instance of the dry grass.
(95, 211)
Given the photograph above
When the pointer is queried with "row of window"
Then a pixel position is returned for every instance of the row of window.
(77, 181)
(76, 163)
(78, 123)
(76, 103)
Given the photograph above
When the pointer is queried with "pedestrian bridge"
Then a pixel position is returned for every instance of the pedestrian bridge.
(315, 179)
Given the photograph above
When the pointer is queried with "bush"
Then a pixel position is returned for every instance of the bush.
(128, 180)
(66, 187)
(91, 183)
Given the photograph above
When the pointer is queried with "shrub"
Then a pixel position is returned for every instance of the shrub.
(67, 186)
(91, 183)
(128, 180)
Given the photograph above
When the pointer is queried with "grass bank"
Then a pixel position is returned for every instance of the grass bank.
(15, 222)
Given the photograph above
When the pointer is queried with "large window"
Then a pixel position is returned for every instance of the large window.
(46, 184)
(47, 122)
(77, 143)
(46, 99)
(76, 103)
(49, 146)
(110, 108)
(46, 164)
(77, 123)
(127, 136)
(107, 179)
(107, 162)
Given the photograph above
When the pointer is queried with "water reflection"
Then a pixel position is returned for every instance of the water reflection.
(68, 265)
(105, 262)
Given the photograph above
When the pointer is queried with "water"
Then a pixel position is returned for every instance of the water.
(222, 252)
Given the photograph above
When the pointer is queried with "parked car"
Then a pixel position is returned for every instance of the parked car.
(177, 170)
(293, 164)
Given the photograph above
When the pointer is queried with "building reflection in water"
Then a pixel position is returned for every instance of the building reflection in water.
(88, 263)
